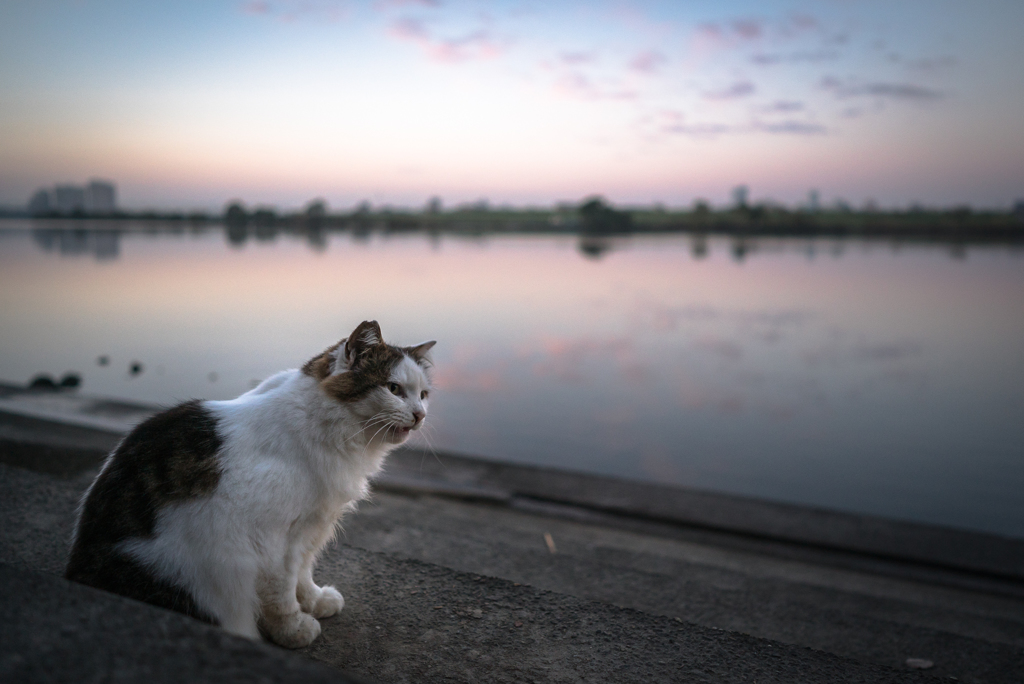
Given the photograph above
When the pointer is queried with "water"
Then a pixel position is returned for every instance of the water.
(851, 375)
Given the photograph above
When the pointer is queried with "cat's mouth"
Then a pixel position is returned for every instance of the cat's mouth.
(403, 431)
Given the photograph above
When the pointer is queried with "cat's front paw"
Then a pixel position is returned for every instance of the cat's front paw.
(320, 602)
(294, 630)
(330, 603)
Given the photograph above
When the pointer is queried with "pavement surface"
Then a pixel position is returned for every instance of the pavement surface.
(465, 570)
(58, 631)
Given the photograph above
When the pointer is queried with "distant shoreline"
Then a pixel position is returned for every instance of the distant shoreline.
(962, 226)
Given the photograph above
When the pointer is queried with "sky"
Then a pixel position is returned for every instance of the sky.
(190, 104)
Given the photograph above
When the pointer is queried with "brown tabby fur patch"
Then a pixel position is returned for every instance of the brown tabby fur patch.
(372, 368)
(371, 361)
(319, 367)
(170, 457)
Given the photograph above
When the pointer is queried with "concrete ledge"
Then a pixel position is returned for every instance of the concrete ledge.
(960, 550)
(409, 621)
(52, 630)
(70, 408)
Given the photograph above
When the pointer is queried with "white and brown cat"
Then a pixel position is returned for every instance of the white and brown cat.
(219, 509)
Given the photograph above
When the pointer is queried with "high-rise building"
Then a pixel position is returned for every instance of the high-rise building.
(739, 196)
(69, 198)
(40, 202)
(100, 197)
(813, 201)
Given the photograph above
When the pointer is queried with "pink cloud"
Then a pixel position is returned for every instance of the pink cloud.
(390, 4)
(747, 32)
(748, 29)
(574, 58)
(257, 7)
(732, 92)
(711, 33)
(895, 91)
(577, 84)
(476, 45)
(409, 29)
(295, 10)
(647, 62)
(738, 31)
(804, 22)
(790, 127)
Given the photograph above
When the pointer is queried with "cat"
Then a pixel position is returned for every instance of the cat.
(219, 509)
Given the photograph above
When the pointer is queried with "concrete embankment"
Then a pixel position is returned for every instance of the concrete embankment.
(461, 569)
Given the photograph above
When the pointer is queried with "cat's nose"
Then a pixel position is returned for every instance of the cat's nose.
(418, 416)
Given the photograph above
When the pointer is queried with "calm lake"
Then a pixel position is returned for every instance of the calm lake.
(851, 375)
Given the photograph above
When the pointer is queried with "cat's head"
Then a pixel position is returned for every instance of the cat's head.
(388, 387)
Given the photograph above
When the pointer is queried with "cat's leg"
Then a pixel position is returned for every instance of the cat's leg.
(319, 602)
(212, 566)
(227, 575)
(231, 588)
(241, 621)
(282, 619)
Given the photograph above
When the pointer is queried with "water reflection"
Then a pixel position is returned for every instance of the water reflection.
(102, 239)
(237, 234)
(101, 243)
(265, 226)
(699, 246)
(593, 247)
(316, 238)
(740, 248)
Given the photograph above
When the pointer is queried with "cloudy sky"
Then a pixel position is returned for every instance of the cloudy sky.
(188, 104)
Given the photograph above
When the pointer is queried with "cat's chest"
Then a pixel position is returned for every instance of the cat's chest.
(294, 470)
(341, 478)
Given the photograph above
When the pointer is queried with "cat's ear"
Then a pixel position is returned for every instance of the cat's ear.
(419, 352)
(367, 334)
(337, 357)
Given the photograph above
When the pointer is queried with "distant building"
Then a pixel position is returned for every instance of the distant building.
(99, 197)
(69, 199)
(813, 201)
(40, 202)
(739, 196)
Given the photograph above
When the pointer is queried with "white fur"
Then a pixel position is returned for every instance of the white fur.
(293, 461)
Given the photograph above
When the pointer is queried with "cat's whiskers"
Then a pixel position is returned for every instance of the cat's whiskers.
(422, 433)
(369, 441)
(370, 422)
(387, 426)
(430, 445)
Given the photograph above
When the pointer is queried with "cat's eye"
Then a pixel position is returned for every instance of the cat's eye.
(424, 394)
(395, 388)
